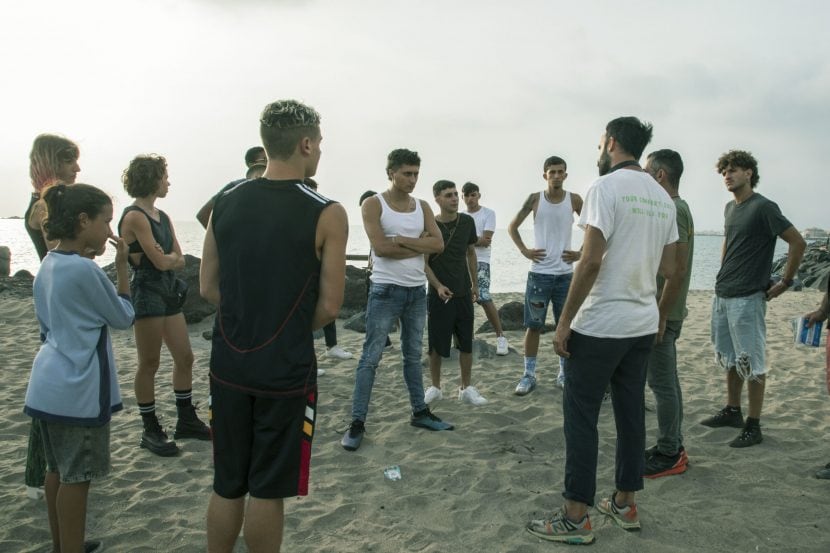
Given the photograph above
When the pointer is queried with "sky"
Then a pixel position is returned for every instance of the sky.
(483, 90)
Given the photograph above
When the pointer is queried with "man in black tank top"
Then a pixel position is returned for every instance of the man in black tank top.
(274, 263)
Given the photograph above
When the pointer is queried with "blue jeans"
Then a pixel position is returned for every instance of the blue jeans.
(663, 381)
(593, 365)
(541, 291)
(387, 304)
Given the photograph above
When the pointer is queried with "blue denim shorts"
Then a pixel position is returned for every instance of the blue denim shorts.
(541, 291)
(77, 453)
(739, 334)
(484, 282)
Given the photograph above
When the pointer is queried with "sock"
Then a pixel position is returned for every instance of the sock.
(732, 409)
(184, 399)
(752, 423)
(148, 413)
(530, 366)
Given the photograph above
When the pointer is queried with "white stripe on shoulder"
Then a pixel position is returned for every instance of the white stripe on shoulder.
(235, 186)
(312, 193)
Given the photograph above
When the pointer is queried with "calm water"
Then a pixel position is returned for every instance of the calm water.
(509, 268)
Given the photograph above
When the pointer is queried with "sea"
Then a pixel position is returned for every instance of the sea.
(508, 267)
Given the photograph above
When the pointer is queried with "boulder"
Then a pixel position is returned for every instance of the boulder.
(19, 285)
(814, 269)
(512, 317)
(354, 295)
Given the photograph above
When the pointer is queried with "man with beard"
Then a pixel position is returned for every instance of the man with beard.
(551, 259)
(607, 329)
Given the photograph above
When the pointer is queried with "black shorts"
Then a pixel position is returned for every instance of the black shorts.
(154, 298)
(445, 320)
(261, 445)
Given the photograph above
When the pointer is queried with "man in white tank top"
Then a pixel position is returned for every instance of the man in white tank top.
(551, 259)
(401, 230)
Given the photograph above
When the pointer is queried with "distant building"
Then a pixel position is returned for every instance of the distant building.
(815, 234)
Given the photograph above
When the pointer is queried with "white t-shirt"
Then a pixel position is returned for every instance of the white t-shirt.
(485, 219)
(637, 219)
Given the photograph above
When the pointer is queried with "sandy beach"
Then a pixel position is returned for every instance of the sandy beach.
(469, 490)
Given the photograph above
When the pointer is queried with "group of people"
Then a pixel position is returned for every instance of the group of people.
(619, 312)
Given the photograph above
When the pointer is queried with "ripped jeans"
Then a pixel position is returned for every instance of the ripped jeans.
(541, 291)
(739, 334)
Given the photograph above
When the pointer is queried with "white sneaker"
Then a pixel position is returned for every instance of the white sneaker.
(336, 352)
(470, 395)
(433, 394)
(33, 492)
(501, 345)
(321, 372)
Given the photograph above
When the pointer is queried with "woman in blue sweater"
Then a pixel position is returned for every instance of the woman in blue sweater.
(73, 389)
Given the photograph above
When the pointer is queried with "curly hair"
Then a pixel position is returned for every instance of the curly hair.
(48, 152)
(142, 177)
(64, 205)
(742, 159)
(284, 123)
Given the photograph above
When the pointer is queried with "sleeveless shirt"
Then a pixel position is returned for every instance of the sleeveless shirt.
(403, 272)
(552, 229)
(269, 278)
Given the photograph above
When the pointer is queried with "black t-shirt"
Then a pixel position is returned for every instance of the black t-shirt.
(750, 231)
(450, 266)
(269, 278)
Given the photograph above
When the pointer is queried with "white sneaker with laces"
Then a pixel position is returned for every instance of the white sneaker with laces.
(336, 352)
(470, 395)
(433, 394)
(501, 346)
(321, 372)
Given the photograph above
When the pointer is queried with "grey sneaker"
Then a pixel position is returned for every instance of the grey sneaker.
(425, 419)
(526, 385)
(560, 529)
(353, 436)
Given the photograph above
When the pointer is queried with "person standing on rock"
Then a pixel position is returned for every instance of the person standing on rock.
(452, 291)
(742, 289)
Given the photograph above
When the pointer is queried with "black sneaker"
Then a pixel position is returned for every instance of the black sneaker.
(665, 465)
(190, 426)
(353, 436)
(725, 417)
(156, 440)
(93, 546)
(748, 437)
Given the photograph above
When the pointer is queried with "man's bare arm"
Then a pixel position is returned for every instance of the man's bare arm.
(795, 252)
(472, 267)
(513, 229)
(203, 216)
(382, 245)
(485, 239)
(209, 270)
(332, 234)
(429, 242)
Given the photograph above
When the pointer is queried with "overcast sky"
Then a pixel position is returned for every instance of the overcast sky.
(483, 90)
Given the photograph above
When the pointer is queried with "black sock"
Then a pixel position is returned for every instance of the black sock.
(148, 413)
(184, 398)
(753, 423)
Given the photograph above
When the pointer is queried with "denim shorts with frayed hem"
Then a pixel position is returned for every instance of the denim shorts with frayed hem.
(77, 453)
(739, 334)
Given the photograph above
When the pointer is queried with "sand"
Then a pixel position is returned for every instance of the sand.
(469, 490)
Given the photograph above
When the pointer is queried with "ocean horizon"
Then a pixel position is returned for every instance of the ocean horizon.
(508, 267)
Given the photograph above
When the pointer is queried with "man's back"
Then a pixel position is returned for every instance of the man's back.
(265, 233)
(637, 219)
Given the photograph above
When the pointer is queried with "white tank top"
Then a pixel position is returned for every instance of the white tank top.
(552, 229)
(403, 272)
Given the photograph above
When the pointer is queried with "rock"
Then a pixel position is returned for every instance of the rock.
(5, 261)
(19, 285)
(814, 269)
(512, 317)
(354, 295)
(356, 322)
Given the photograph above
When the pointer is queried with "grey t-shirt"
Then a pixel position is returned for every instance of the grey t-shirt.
(750, 231)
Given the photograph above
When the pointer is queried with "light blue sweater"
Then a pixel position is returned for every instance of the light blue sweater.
(73, 377)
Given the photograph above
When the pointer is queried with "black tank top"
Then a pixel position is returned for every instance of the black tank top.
(35, 235)
(162, 234)
(269, 279)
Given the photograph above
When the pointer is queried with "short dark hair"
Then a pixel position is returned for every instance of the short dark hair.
(253, 153)
(554, 160)
(141, 178)
(440, 186)
(311, 183)
(670, 162)
(400, 157)
(283, 124)
(469, 188)
(365, 196)
(630, 133)
(64, 205)
(742, 159)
